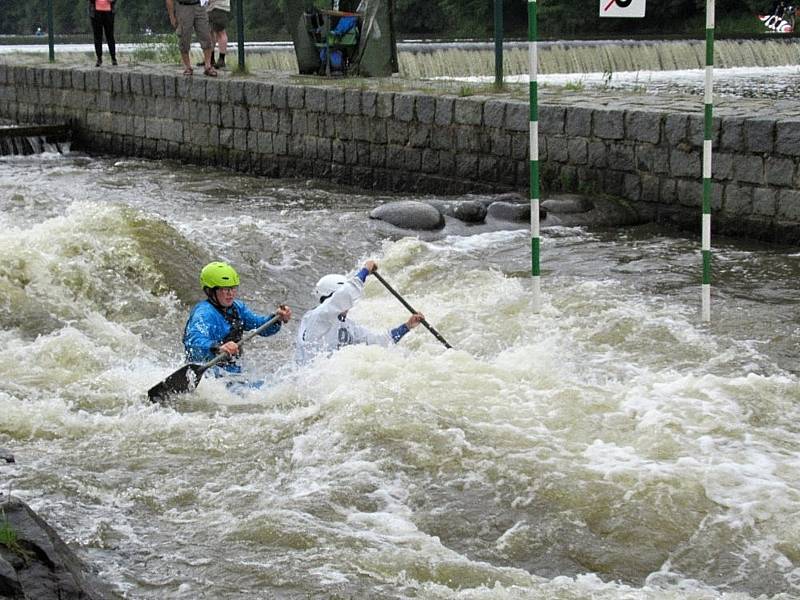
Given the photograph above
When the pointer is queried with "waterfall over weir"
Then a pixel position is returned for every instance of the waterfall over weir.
(23, 140)
(459, 60)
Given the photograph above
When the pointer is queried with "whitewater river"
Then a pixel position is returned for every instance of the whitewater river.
(609, 447)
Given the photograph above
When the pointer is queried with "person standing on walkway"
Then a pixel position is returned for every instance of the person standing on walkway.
(219, 12)
(101, 15)
(187, 16)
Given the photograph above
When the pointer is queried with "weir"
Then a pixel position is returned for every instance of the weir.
(33, 139)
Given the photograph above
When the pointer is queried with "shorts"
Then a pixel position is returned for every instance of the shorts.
(218, 19)
(192, 17)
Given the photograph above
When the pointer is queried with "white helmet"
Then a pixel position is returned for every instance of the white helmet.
(328, 284)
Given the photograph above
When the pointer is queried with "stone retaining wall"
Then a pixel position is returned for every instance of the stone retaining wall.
(640, 149)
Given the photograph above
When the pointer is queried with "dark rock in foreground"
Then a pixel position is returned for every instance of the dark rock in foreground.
(6, 455)
(38, 564)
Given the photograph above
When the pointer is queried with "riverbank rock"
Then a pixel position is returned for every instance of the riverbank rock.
(568, 204)
(38, 564)
(408, 214)
(603, 211)
(6, 455)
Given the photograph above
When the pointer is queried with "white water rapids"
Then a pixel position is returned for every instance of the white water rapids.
(609, 447)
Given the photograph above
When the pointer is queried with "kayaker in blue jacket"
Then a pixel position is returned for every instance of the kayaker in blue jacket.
(216, 324)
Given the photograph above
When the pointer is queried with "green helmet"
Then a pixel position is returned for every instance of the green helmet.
(219, 274)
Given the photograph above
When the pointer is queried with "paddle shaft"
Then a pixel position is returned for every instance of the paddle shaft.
(410, 308)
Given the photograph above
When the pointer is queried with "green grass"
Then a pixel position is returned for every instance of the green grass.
(9, 539)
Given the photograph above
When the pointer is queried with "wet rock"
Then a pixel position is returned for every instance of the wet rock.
(605, 212)
(508, 211)
(38, 564)
(409, 214)
(567, 204)
(469, 211)
(6, 455)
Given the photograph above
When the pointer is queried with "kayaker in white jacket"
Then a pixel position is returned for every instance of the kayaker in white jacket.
(326, 328)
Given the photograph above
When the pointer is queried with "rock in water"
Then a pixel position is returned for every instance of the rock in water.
(568, 204)
(38, 564)
(468, 211)
(507, 211)
(409, 214)
(6, 455)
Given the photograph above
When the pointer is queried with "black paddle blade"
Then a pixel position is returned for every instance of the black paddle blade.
(181, 381)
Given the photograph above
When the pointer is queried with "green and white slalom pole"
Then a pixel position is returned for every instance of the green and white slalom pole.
(534, 149)
(708, 131)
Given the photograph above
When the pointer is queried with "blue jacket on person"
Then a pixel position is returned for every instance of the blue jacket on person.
(207, 328)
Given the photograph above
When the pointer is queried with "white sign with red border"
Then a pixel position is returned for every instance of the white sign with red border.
(622, 8)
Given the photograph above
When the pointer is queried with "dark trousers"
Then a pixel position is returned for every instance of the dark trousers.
(103, 21)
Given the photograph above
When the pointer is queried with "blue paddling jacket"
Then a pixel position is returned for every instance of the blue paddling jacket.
(209, 326)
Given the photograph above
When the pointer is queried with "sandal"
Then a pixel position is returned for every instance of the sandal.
(188, 71)
(210, 72)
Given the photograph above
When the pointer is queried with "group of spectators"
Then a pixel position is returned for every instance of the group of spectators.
(207, 18)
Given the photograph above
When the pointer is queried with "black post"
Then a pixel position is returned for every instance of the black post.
(50, 40)
(498, 44)
(240, 33)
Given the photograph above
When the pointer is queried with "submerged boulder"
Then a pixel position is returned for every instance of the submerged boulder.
(508, 211)
(409, 214)
(568, 204)
(36, 563)
(468, 211)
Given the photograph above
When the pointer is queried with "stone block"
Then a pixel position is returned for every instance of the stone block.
(732, 135)
(643, 126)
(430, 161)
(676, 128)
(442, 138)
(620, 157)
(557, 149)
(500, 143)
(270, 120)
(608, 124)
(296, 97)
(396, 133)
(787, 137)
(779, 171)
(252, 93)
(578, 121)
(518, 116)
(722, 166)
(552, 120)
(361, 129)
(265, 95)
(596, 155)
(683, 163)
(632, 187)
(384, 105)
(468, 139)
(404, 107)
(315, 99)
(789, 205)
(738, 200)
(377, 156)
(697, 126)
(468, 111)
(425, 109)
(299, 122)
(412, 160)
(334, 101)
(343, 128)
(649, 188)
(749, 168)
(577, 151)
(369, 102)
(418, 135)
(690, 193)
(765, 202)
(466, 166)
(279, 97)
(759, 135)
(487, 168)
(198, 90)
(352, 102)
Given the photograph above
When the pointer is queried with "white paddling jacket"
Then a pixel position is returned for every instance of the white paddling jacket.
(322, 330)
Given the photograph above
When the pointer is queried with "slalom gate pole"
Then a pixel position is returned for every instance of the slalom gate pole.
(707, 137)
(534, 152)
